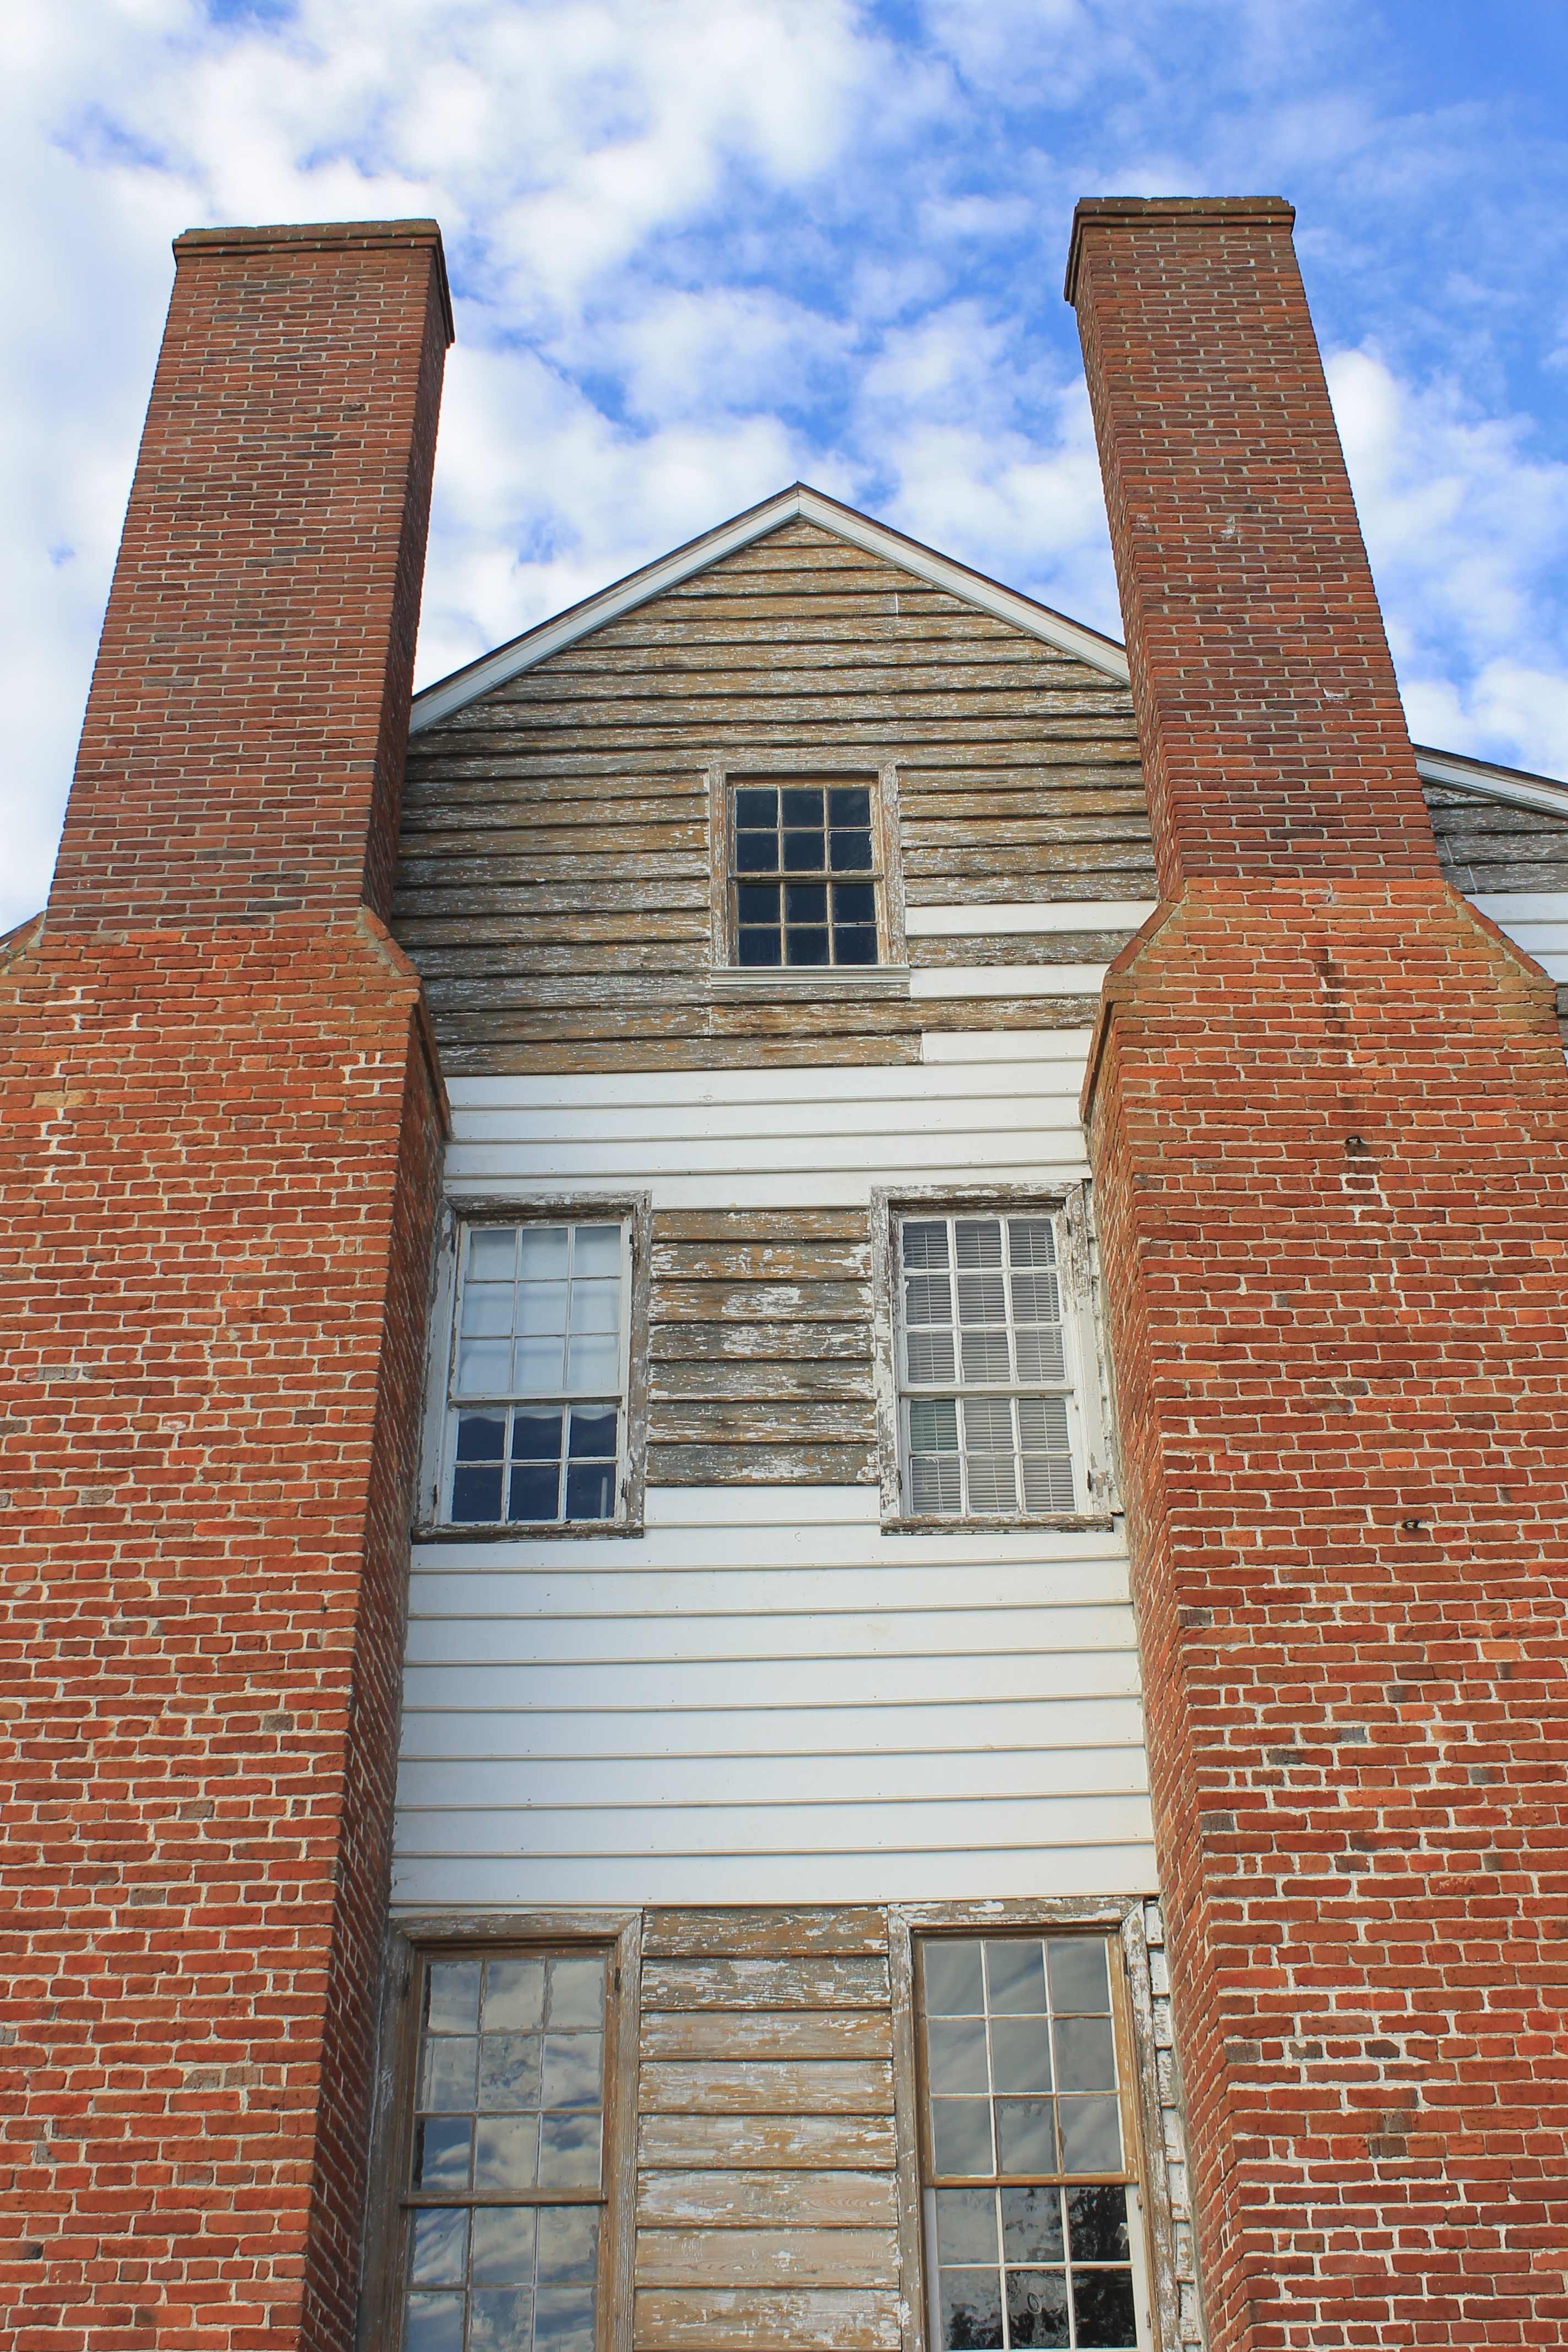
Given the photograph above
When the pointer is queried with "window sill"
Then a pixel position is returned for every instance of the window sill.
(435, 1531)
(782, 981)
(999, 1523)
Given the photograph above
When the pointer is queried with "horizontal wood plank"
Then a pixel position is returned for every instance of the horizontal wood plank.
(728, 2034)
(767, 2086)
(745, 1932)
(767, 2143)
(783, 2200)
(802, 1981)
(766, 2319)
(748, 2258)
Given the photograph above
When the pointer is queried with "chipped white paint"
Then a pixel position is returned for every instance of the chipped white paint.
(1001, 917)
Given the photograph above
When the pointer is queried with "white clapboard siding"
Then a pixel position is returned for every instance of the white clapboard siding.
(1009, 980)
(764, 1700)
(967, 1113)
(1538, 919)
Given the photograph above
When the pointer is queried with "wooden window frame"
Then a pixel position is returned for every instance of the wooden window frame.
(635, 1212)
(409, 1944)
(889, 974)
(1117, 1919)
(1093, 1457)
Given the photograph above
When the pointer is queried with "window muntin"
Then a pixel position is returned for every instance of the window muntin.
(805, 873)
(536, 1411)
(1030, 2189)
(986, 1394)
(504, 2183)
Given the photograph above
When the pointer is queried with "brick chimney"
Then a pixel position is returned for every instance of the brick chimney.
(220, 1139)
(1328, 1111)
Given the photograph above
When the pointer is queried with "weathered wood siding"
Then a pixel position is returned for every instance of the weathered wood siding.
(767, 2210)
(1488, 847)
(760, 1340)
(765, 1699)
(553, 884)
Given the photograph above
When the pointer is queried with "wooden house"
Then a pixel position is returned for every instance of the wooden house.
(784, 1497)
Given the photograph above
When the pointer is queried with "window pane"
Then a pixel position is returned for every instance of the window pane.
(536, 1436)
(934, 1484)
(1078, 1976)
(576, 1992)
(596, 1305)
(804, 853)
(541, 1257)
(506, 2152)
(449, 2074)
(487, 1309)
(1021, 2054)
(443, 2146)
(504, 2244)
(1026, 2136)
(933, 1426)
(590, 1490)
(927, 1298)
(850, 853)
(803, 805)
(508, 2072)
(961, 2135)
(596, 1249)
(1102, 2307)
(1032, 2223)
(756, 805)
(1038, 2309)
(440, 2255)
(982, 1300)
(569, 2151)
(1086, 2054)
(925, 1245)
(568, 2242)
(500, 2319)
(966, 2225)
(483, 1366)
(452, 1997)
(542, 1306)
(563, 2319)
(1097, 2224)
(931, 1361)
(806, 902)
(1091, 2136)
(855, 902)
(592, 1429)
(534, 1492)
(807, 947)
(1040, 1358)
(537, 1364)
(435, 2323)
(514, 1995)
(970, 2311)
(854, 945)
(953, 1984)
(757, 902)
(850, 804)
(757, 853)
(493, 1252)
(593, 1361)
(955, 2055)
(760, 947)
(571, 2070)
(1015, 1977)
(978, 1241)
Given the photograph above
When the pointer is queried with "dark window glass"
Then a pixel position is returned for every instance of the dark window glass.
(804, 831)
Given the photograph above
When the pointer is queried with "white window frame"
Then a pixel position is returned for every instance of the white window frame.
(889, 974)
(1086, 1387)
(633, 1213)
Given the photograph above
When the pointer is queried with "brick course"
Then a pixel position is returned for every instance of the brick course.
(220, 1144)
(1326, 1107)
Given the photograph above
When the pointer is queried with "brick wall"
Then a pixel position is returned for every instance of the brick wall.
(1327, 1112)
(220, 1140)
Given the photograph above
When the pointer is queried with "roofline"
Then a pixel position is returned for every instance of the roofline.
(1516, 786)
(438, 702)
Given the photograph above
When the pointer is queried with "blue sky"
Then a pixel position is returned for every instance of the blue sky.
(701, 247)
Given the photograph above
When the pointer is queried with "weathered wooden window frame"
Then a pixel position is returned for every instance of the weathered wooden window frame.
(409, 1941)
(1138, 2059)
(890, 976)
(1090, 1362)
(633, 1209)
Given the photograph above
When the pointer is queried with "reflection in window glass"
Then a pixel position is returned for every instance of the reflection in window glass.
(1022, 2099)
(509, 2100)
(540, 1322)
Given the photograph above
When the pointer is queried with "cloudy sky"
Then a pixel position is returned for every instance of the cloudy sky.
(701, 248)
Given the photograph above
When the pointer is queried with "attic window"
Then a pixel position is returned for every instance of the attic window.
(806, 874)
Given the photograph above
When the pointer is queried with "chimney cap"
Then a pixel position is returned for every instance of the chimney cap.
(321, 237)
(1274, 209)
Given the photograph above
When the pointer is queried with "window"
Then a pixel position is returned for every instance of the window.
(502, 2245)
(536, 1410)
(804, 873)
(1028, 2140)
(985, 1396)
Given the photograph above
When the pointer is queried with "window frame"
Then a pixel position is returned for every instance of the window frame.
(1159, 2260)
(633, 1212)
(410, 1945)
(781, 770)
(1090, 1403)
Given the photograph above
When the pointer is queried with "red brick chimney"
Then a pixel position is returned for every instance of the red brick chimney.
(1328, 1113)
(220, 1140)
